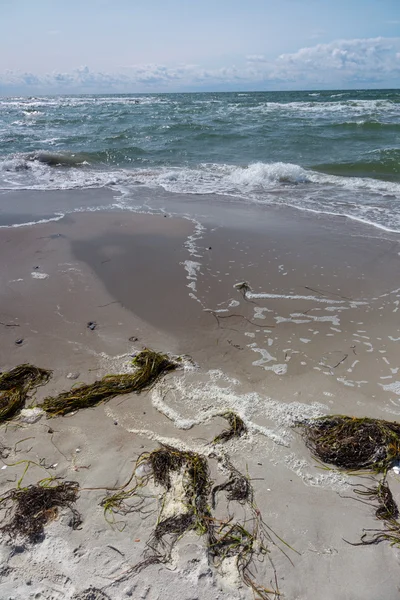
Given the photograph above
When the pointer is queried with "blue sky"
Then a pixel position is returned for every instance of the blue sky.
(174, 45)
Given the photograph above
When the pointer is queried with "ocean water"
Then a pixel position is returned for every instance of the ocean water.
(332, 152)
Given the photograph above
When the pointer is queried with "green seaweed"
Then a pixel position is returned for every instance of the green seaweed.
(15, 386)
(149, 365)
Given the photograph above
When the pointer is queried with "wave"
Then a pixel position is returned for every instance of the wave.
(56, 159)
(52, 171)
(23, 161)
(70, 101)
(366, 124)
(350, 106)
(385, 168)
(85, 169)
(365, 199)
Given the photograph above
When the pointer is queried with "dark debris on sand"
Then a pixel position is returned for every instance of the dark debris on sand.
(27, 510)
(353, 443)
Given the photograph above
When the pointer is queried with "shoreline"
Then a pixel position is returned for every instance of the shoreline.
(322, 294)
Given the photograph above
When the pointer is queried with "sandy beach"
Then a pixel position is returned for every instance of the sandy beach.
(317, 333)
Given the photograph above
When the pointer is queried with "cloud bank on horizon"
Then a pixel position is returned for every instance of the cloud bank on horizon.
(339, 64)
(153, 46)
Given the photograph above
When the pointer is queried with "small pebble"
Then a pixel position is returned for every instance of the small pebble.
(115, 422)
(19, 341)
(78, 450)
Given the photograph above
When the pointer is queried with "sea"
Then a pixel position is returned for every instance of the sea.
(331, 152)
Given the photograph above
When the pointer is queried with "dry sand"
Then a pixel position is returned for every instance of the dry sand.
(318, 334)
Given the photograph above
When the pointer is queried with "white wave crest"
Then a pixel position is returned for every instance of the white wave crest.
(370, 201)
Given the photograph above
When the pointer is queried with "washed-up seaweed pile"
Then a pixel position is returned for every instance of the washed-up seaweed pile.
(15, 385)
(149, 365)
(361, 444)
(244, 540)
(353, 443)
(27, 510)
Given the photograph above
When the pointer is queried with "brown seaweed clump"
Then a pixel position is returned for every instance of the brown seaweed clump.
(245, 540)
(150, 366)
(29, 509)
(15, 386)
(237, 428)
(353, 443)
(386, 510)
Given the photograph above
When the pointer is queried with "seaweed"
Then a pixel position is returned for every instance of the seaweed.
(15, 386)
(238, 487)
(149, 365)
(237, 428)
(243, 540)
(243, 287)
(29, 509)
(91, 593)
(353, 443)
(386, 510)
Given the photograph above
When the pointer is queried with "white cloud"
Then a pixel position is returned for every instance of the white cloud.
(346, 61)
(343, 63)
(256, 58)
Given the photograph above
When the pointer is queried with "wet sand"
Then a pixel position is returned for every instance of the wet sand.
(318, 334)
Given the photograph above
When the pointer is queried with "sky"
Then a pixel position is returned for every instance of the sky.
(115, 46)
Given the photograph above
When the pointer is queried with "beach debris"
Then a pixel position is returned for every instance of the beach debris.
(4, 451)
(133, 338)
(386, 510)
(353, 443)
(9, 324)
(357, 444)
(238, 487)
(91, 593)
(184, 477)
(27, 510)
(91, 325)
(243, 287)
(31, 415)
(15, 386)
(237, 428)
(19, 341)
(150, 365)
(73, 376)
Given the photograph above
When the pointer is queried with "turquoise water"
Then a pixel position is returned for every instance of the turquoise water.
(331, 152)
